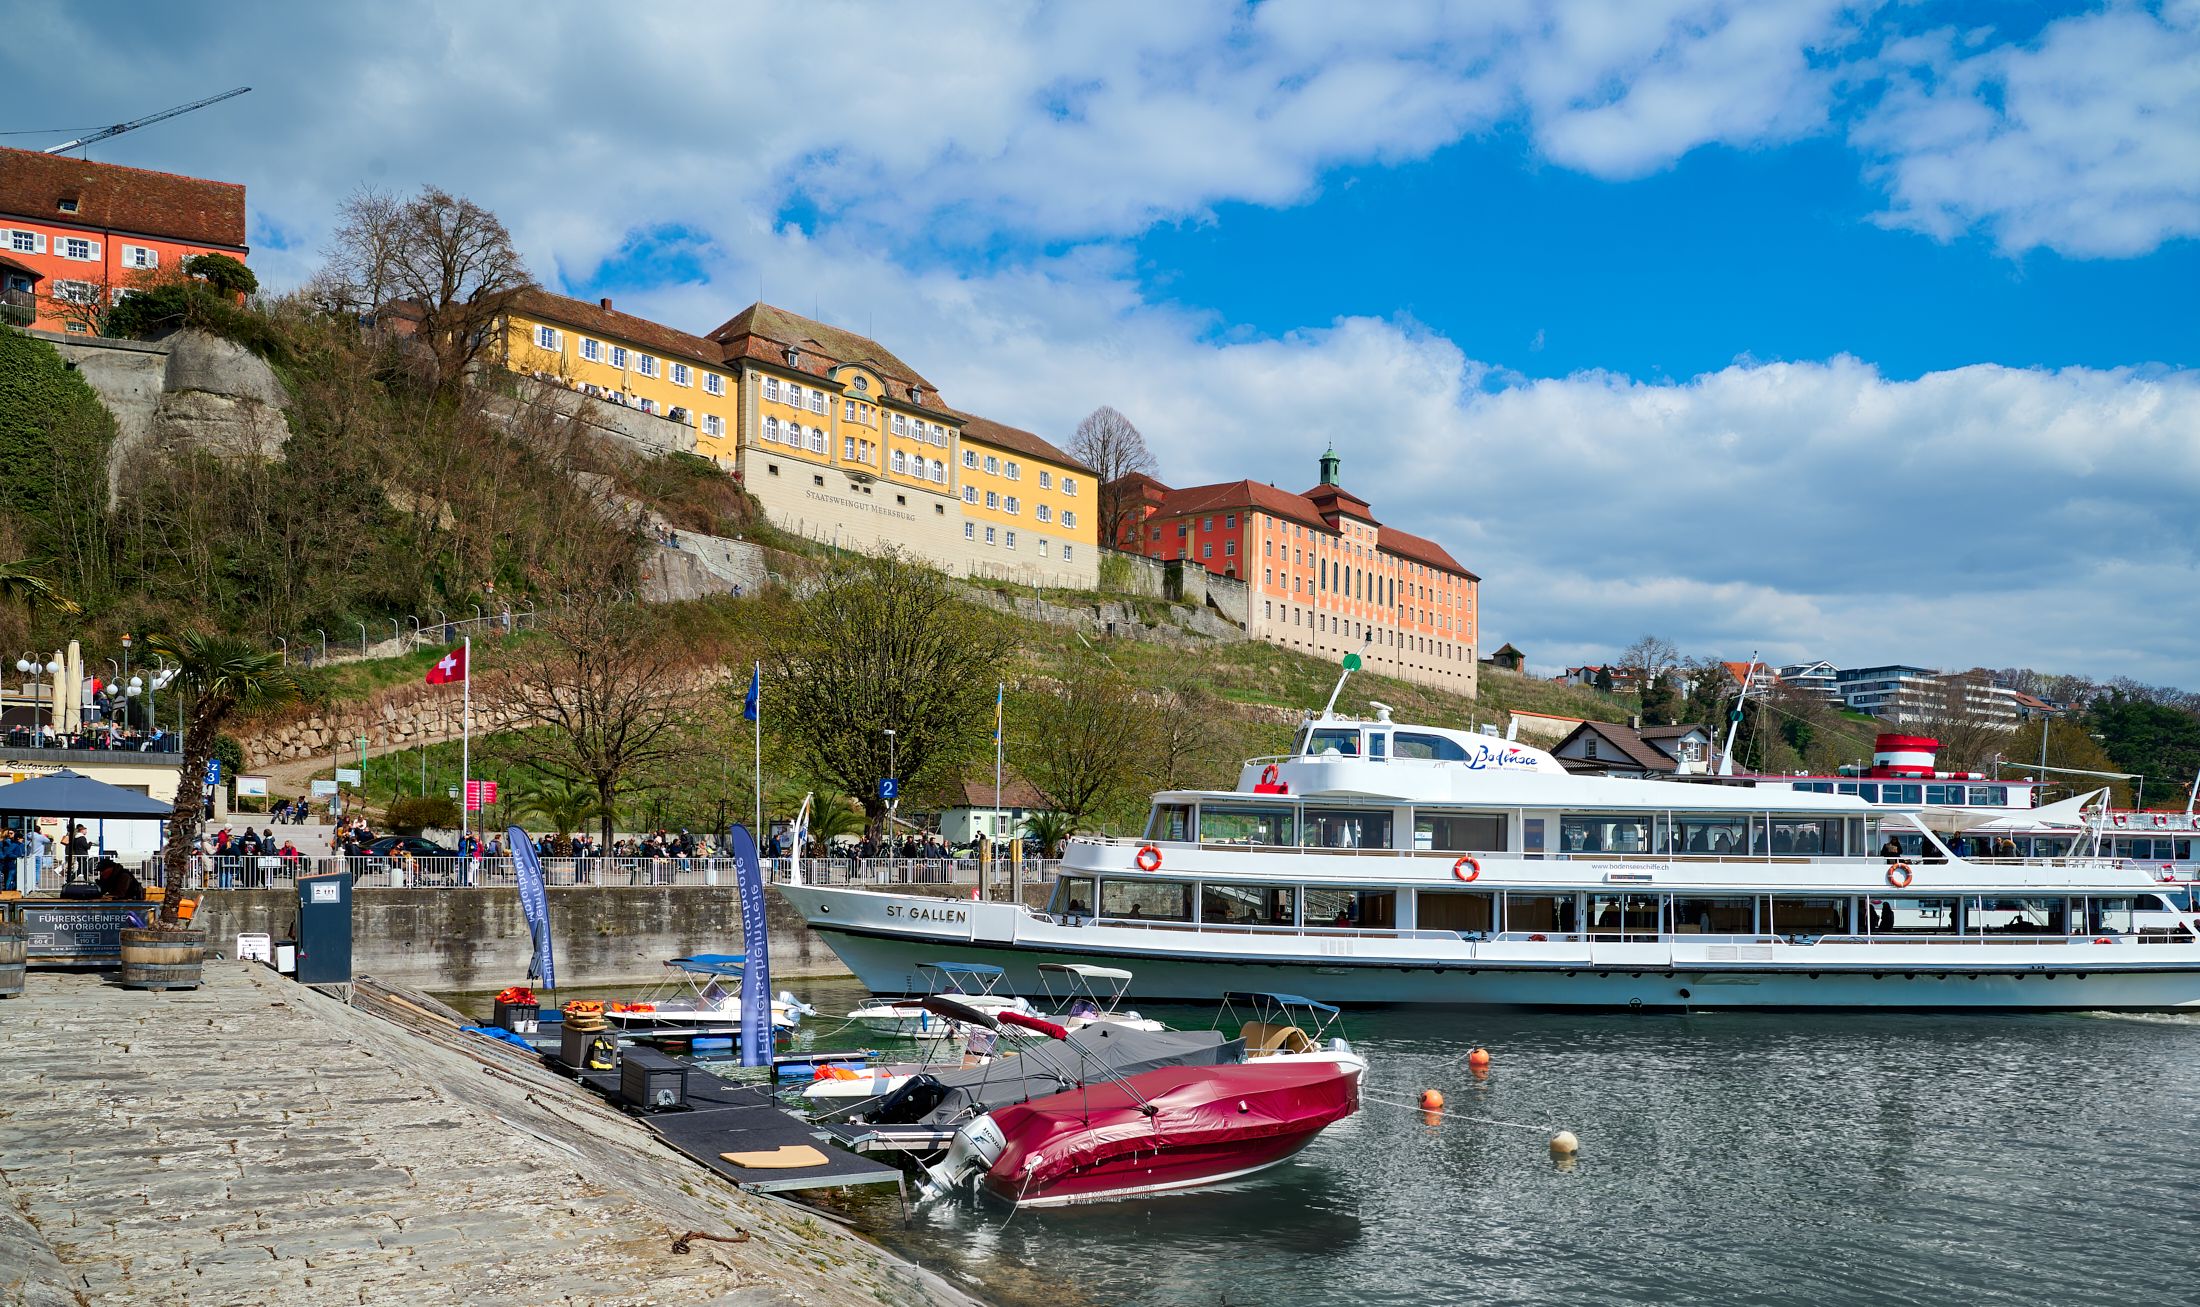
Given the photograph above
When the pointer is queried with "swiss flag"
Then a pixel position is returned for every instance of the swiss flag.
(449, 668)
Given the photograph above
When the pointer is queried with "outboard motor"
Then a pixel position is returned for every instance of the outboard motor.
(976, 1147)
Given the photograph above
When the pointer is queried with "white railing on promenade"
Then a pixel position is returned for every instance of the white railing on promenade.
(258, 872)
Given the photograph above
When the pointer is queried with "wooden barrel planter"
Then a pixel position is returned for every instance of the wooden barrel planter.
(162, 959)
(12, 940)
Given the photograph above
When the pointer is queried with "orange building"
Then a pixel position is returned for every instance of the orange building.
(1323, 574)
(76, 235)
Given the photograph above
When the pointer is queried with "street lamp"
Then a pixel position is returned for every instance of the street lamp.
(286, 649)
(47, 670)
(324, 642)
(362, 639)
(893, 805)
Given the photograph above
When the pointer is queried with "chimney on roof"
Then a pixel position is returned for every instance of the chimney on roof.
(604, 303)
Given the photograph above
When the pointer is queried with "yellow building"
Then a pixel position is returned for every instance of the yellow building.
(1025, 499)
(626, 361)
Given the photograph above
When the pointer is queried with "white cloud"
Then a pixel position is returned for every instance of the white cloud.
(2085, 141)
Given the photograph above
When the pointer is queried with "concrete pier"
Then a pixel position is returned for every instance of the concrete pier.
(256, 1141)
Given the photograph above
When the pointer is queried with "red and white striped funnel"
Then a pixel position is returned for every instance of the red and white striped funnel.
(1904, 755)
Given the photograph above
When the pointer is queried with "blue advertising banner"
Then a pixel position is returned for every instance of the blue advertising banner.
(536, 904)
(756, 975)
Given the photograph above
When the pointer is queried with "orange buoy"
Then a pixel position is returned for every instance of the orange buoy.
(1479, 1058)
(1431, 1100)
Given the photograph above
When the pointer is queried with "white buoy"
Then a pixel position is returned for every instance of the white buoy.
(1563, 1144)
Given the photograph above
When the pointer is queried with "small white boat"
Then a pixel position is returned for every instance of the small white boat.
(969, 983)
(1288, 1028)
(1090, 993)
(708, 1004)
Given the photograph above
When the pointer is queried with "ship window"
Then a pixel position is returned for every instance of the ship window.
(1807, 916)
(1247, 905)
(1171, 821)
(1989, 796)
(1346, 909)
(1911, 917)
(1346, 742)
(1235, 825)
(1714, 916)
(1941, 796)
(1340, 828)
(1709, 835)
(1902, 794)
(1072, 897)
(1378, 746)
(1447, 832)
(1816, 837)
(1467, 913)
(1146, 900)
(1540, 914)
(1869, 793)
(1604, 834)
(2108, 916)
(1623, 914)
(1407, 744)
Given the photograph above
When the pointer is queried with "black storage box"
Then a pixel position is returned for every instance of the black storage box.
(519, 1018)
(651, 1082)
(574, 1045)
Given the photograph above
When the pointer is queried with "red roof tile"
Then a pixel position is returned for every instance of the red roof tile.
(132, 200)
(765, 333)
(1421, 550)
(594, 319)
(987, 431)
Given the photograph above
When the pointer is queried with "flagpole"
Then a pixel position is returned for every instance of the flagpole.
(466, 746)
(1000, 689)
(758, 673)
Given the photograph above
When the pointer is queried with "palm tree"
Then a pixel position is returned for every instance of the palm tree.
(1050, 829)
(565, 806)
(21, 585)
(833, 816)
(224, 673)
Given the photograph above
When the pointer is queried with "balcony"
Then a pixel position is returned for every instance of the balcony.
(18, 308)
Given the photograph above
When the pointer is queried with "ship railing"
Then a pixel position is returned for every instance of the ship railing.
(1248, 928)
(2087, 938)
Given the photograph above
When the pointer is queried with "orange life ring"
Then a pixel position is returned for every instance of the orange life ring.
(1149, 858)
(1268, 774)
(1473, 868)
(1899, 875)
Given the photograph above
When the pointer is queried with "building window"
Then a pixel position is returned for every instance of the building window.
(817, 402)
(1206, 551)
(681, 376)
(137, 256)
(1009, 541)
(1069, 485)
(1069, 517)
(75, 292)
(1043, 513)
(970, 494)
(592, 350)
(992, 499)
(1229, 522)
(817, 440)
(771, 429)
(646, 364)
(989, 535)
(1042, 546)
(794, 394)
(713, 384)
(26, 242)
(939, 471)
(1206, 524)
(771, 389)
(848, 448)
(1009, 505)
(546, 338)
(618, 357)
(900, 425)
(1046, 479)
(970, 458)
(713, 425)
(76, 247)
(970, 530)
(1271, 577)
(901, 461)
(1011, 471)
(992, 464)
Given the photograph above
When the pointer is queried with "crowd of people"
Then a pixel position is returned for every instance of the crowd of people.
(105, 735)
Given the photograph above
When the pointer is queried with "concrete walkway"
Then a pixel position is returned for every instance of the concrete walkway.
(256, 1141)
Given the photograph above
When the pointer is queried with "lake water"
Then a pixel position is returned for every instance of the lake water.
(1759, 1159)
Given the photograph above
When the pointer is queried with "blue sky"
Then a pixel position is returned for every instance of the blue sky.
(1861, 331)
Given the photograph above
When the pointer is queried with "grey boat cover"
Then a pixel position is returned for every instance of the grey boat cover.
(1100, 1052)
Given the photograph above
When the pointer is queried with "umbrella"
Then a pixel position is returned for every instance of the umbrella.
(71, 794)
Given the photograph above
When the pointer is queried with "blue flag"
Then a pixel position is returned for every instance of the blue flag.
(756, 687)
(756, 973)
(535, 903)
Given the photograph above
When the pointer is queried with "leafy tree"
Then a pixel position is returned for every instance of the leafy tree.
(565, 806)
(223, 273)
(447, 259)
(884, 643)
(1661, 703)
(414, 813)
(1051, 829)
(1085, 742)
(2143, 735)
(223, 675)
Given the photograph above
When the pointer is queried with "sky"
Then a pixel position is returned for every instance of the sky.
(1851, 331)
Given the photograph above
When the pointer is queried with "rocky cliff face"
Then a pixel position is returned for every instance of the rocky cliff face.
(191, 390)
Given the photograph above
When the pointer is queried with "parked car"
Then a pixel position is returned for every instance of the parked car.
(416, 845)
(383, 855)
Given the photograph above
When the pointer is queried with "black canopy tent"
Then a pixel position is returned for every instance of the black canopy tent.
(76, 797)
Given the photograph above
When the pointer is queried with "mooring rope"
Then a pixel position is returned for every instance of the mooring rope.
(1448, 1112)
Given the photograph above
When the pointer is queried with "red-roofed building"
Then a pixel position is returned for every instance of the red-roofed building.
(77, 235)
(1324, 575)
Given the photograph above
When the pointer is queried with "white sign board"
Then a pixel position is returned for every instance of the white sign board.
(347, 775)
(327, 891)
(322, 789)
(252, 787)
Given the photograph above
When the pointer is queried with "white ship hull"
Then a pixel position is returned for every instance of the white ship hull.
(883, 936)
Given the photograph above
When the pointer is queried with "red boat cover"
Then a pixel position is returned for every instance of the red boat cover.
(1203, 1107)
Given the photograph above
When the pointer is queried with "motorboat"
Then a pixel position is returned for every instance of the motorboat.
(972, 984)
(1382, 861)
(1160, 1131)
(1280, 1028)
(1090, 993)
(695, 999)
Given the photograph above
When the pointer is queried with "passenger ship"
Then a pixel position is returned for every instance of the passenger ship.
(1381, 862)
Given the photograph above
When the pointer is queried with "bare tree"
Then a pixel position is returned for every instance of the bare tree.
(884, 643)
(1085, 742)
(447, 259)
(1969, 739)
(1107, 443)
(601, 694)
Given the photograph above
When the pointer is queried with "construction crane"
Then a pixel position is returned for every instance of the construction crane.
(119, 128)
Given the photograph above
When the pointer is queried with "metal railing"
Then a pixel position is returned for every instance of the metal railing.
(236, 871)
